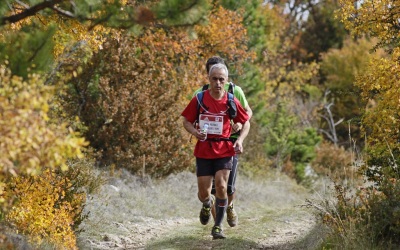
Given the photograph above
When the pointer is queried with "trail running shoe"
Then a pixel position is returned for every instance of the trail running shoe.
(213, 210)
(205, 212)
(231, 216)
(217, 233)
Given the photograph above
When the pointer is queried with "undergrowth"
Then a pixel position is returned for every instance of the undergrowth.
(359, 213)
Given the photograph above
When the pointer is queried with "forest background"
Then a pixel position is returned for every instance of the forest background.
(91, 84)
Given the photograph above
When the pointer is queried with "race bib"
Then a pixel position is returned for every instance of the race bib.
(215, 123)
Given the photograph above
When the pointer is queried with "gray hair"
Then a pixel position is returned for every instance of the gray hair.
(218, 66)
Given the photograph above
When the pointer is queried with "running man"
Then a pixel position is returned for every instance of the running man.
(232, 217)
(214, 151)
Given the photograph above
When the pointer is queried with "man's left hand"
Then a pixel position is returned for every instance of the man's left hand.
(237, 127)
(238, 147)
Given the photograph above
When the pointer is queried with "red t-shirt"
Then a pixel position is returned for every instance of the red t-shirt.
(215, 149)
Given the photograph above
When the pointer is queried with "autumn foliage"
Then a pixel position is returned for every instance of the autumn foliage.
(43, 209)
(121, 72)
(366, 217)
(126, 100)
(131, 105)
(378, 82)
(28, 143)
(381, 120)
(30, 197)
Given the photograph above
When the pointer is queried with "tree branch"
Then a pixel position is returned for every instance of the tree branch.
(37, 50)
(22, 4)
(29, 12)
(10, 6)
(327, 134)
(63, 12)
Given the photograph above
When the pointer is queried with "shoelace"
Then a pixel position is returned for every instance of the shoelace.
(205, 210)
(217, 229)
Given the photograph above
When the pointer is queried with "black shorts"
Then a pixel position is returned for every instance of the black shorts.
(207, 167)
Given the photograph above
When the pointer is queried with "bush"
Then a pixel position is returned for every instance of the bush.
(384, 212)
(131, 107)
(29, 142)
(254, 161)
(48, 208)
(42, 210)
(289, 144)
(302, 150)
(40, 190)
(368, 218)
(334, 162)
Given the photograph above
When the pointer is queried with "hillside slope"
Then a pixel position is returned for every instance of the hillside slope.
(139, 213)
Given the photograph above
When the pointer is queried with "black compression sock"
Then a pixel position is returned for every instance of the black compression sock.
(220, 208)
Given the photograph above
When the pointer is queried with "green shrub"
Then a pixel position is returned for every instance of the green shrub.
(288, 144)
(254, 161)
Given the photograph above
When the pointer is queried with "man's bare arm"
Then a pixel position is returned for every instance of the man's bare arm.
(243, 134)
(249, 111)
(238, 126)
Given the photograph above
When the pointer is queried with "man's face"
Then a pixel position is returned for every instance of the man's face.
(217, 80)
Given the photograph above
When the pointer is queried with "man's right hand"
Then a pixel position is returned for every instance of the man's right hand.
(200, 136)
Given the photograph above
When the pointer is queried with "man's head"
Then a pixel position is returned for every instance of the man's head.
(217, 77)
(213, 60)
(220, 67)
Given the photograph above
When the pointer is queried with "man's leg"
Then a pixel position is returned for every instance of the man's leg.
(213, 193)
(221, 180)
(204, 195)
(232, 180)
(204, 182)
(221, 186)
(204, 187)
(231, 215)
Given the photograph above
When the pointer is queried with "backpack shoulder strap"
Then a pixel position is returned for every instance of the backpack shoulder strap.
(205, 87)
(199, 97)
(231, 88)
(232, 108)
(200, 103)
(230, 96)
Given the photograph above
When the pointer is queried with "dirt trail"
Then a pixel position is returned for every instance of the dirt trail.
(132, 213)
(141, 234)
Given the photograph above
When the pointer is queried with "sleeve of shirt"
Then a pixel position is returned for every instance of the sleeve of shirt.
(242, 115)
(190, 112)
(239, 94)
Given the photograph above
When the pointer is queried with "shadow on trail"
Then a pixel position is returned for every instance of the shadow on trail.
(193, 243)
(310, 241)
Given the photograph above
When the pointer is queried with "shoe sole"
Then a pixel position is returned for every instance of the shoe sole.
(218, 237)
(205, 222)
(232, 225)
